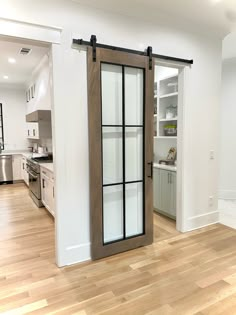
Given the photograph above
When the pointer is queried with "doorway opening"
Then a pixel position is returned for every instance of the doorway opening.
(167, 166)
(26, 142)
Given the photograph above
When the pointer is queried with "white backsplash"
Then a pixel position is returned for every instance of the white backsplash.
(46, 143)
(162, 147)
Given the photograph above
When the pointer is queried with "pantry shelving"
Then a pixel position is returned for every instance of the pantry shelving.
(166, 99)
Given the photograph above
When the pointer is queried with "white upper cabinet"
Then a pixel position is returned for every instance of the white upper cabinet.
(38, 94)
(39, 130)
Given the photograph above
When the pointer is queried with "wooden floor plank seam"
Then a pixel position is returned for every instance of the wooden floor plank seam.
(179, 274)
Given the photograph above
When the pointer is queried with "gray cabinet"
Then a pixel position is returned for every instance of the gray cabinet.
(157, 188)
(165, 192)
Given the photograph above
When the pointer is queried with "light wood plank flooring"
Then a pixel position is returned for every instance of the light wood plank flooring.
(193, 273)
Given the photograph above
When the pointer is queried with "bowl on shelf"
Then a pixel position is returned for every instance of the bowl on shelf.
(170, 130)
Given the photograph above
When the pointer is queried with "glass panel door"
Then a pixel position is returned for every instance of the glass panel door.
(120, 108)
(122, 146)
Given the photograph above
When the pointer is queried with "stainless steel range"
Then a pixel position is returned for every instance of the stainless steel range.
(33, 169)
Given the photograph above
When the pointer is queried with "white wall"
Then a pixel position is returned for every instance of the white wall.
(227, 182)
(202, 95)
(13, 100)
(163, 72)
(41, 78)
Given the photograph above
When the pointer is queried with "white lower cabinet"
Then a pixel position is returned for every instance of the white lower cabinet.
(16, 167)
(24, 173)
(47, 190)
(165, 192)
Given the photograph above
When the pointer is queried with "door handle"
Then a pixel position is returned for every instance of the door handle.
(34, 177)
(151, 170)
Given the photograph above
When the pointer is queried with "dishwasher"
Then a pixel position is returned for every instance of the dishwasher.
(6, 173)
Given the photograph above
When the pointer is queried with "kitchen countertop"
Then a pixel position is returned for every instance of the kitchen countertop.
(17, 152)
(165, 167)
(47, 166)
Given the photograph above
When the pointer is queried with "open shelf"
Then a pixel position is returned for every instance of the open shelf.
(165, 137)
(166, 90)
(169, 95)
(171, 119)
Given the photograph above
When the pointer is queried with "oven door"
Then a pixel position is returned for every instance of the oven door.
(34, 183)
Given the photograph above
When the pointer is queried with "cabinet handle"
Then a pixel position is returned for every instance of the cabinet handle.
(43, 183)
(34, 132)
(151, 170)
(23, 165)
(53, 192)
(28, 132)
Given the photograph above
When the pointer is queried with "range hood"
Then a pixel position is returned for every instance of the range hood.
(39, 115)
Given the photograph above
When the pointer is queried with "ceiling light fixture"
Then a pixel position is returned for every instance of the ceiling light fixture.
(5, 77)
(216, 1)
(11, 60)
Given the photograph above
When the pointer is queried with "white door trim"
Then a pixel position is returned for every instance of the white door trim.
(181, 220)
(25, 30)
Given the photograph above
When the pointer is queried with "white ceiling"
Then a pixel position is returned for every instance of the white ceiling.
(19, 73)
(213, 16)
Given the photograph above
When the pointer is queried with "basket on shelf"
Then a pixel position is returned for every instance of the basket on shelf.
(170, 130)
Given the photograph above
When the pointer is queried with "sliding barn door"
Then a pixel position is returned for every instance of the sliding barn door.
(120, 106)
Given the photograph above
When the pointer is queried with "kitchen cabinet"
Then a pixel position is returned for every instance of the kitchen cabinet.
(157, 186)
(24, 173)
(39, 130)
(165, 192)
(16, 167)
(32, 131)
(47, 190)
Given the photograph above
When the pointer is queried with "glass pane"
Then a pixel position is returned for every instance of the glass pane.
(113, 213)
(134, 209)
(133, 96)
(112, 155)
(111, 94)
(133, 154)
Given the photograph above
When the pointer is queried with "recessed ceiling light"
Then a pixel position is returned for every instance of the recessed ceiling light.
(5, 77)
(216, 1)
(11, 60)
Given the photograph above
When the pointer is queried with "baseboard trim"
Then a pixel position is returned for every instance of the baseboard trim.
(227, 194)
(77, 254)
(202, 220)
(18, 181)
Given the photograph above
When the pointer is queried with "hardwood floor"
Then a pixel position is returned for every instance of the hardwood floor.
(192, 273)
